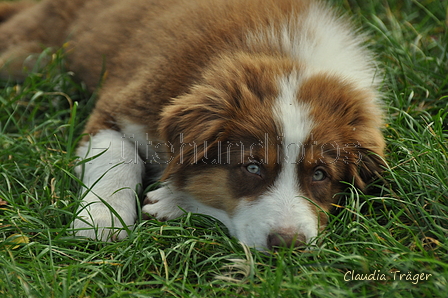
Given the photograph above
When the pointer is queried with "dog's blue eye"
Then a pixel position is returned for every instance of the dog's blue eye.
(253, 168)
(319, 175)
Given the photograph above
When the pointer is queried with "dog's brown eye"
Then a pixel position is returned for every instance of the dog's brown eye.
(319, 175)
(253, 169)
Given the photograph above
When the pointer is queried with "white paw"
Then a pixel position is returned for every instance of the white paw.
(162, 204)
(96, 221)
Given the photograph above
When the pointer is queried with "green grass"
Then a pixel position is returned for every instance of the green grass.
(404, 227)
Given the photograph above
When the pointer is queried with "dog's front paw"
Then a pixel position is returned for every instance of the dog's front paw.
(96, 221)
(162, 204)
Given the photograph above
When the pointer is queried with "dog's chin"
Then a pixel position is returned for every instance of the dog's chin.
(264, 223)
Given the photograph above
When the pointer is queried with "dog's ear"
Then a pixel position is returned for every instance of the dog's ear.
(191, 124)
(368, 167)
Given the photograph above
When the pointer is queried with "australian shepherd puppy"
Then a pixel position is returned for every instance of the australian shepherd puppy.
(252, 111)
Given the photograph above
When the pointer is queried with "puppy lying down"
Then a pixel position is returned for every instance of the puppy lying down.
(251, 111)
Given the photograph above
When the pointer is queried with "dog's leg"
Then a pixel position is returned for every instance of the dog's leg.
(9, 9)
(168, 203)
(111, 173)
(17, 40)
(26, 28)
(165, 203)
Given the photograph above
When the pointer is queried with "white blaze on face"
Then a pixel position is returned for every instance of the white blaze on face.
(282, 209)
(324, 43)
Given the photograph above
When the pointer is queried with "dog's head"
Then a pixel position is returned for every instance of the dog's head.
(268, 143)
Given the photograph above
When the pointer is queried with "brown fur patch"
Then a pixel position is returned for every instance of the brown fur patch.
(346, 141)
(9, 9)
(228, 106)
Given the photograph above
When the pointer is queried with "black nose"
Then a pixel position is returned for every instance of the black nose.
(276, 240)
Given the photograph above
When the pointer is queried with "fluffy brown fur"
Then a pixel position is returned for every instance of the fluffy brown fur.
(185, 71)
